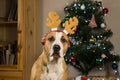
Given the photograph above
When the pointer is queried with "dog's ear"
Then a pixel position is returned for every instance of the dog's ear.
(43, 40)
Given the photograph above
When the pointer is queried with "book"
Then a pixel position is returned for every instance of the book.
(11, 58)
(2, 55)
(7, 56)
(13, 11)
(8, 53)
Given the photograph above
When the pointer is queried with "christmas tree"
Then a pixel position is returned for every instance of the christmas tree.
(90, 45)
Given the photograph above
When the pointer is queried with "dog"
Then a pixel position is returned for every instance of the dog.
(51, 65)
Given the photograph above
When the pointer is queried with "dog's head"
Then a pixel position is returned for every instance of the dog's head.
(56, 44)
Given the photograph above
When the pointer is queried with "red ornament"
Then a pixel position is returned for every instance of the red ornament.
(84, 78)
(105, 10)
(73, 59)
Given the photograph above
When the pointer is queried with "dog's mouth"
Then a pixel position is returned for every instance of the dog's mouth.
(55, 52)
(55, 56)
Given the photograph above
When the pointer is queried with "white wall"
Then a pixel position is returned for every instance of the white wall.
(52, 5)
(112, 20)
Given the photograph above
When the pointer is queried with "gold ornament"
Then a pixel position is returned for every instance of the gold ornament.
(92, 40)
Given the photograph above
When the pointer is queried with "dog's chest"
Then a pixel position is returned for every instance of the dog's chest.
(53, 71)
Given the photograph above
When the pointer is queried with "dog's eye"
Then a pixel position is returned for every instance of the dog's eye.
(63, 40)
(51, 38)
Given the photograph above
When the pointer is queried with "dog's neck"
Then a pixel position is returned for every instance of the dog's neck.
(55, 67)
(44, 60)
(47, 62)
(53, 71)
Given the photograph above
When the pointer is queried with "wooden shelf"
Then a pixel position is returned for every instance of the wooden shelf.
(8, 22)
(8, 67)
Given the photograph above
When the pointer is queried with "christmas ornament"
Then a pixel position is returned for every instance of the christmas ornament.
(115, 68)
(117, 74)
(76, 7)
(99, 60)
(102, 25)
(67, 9)
(67, 18)
(92, 39)
(75, 4)
(105, 11)
(77, 43)
(79, 4)
(86, 21)
(93, 8)
(84, 78)
(73, 59)
(101, 68)
(103, 56)
(84, 12)
(90, 46)
(82, 7)
(104, 48)
(66, 60)
(92, 23)
(99, 3)
(99, 37)
(114, 65)
(98, 44)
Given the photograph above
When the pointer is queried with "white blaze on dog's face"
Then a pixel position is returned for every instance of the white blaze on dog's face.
(56, 44)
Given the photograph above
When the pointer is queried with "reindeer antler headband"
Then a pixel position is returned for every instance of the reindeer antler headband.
(53, 21)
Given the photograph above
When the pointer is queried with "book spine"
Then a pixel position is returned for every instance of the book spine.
(7, 56)
(11, 59)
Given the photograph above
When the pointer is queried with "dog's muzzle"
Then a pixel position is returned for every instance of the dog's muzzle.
(56, 49)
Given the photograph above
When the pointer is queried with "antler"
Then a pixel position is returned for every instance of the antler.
(70, 25)
(53, 21)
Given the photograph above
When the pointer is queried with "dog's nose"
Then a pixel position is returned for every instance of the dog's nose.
(56, 47)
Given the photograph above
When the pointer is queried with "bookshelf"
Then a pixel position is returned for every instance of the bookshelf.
(26, 31)
(8, 32)
(11, 67)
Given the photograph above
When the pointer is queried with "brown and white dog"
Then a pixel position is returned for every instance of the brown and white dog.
(50, 65)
